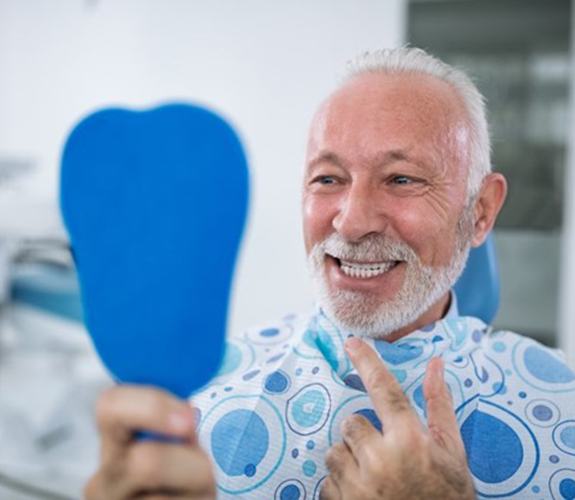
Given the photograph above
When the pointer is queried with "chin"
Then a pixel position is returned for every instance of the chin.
(366, 316)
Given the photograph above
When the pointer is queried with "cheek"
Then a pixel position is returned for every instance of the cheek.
(430, 236)
(318, 213)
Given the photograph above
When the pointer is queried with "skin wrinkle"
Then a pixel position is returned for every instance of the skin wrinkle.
(447, 116)
(440, 159)
(372, 128)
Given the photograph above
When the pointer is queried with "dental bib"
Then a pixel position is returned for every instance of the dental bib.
(155, 205)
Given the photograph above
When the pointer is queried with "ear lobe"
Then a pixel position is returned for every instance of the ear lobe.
(488, 205)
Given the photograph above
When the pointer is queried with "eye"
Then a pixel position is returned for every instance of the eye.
(324, 180)
(402, 180)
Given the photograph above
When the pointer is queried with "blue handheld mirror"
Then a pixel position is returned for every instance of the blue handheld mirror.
(155, 205)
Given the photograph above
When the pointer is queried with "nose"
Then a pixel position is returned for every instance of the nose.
(359, 214)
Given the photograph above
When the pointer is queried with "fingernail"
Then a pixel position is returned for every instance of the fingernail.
(181, 421)
(352, 344)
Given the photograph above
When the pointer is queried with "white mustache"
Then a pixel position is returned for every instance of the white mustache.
(376, 248)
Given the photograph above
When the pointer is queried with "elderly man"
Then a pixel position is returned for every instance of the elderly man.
(385, 392)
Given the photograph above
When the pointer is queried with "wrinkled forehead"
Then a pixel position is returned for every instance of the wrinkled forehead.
(399, 110)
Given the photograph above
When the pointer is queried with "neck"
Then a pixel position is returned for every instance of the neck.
(434, 313)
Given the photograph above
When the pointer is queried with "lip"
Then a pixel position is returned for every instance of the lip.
(361, 262)
(386, 284)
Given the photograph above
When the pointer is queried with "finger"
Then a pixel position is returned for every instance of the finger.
(441, 419)
(359, 435)
(123, 410)
(390, 404)
(158, 468)
(329, 490)
(341, 465)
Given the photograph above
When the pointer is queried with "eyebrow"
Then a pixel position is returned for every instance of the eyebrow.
(382, 159)
(327, 157)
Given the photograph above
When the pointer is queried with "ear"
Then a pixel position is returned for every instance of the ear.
(487, 206)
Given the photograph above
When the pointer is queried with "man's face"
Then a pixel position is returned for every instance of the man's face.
(386, 222)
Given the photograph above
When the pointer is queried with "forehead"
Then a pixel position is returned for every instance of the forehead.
(376, 112)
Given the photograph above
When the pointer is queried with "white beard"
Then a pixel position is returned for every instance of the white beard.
(366, 315)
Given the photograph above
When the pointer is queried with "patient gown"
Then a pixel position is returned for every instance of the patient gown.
(276, 407)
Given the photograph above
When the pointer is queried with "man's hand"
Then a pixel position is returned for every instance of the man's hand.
(148, 469)
(405, 461)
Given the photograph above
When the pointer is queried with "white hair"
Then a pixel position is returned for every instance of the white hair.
(415, 60)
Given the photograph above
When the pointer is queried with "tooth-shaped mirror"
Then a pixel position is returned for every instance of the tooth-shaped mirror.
(155, 203)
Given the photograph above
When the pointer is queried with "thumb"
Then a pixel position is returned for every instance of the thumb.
(441, 419)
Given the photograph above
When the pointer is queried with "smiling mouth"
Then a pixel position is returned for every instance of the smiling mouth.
(364, 270)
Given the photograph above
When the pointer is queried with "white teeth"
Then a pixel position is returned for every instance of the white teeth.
(365, 270)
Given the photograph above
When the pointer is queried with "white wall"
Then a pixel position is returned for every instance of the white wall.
(264, 64)
(567, 294)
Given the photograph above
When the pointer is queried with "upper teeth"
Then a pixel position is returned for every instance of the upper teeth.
(369, 270)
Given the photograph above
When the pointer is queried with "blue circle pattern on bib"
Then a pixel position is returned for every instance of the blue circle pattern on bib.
(284, 390)
(246, 445)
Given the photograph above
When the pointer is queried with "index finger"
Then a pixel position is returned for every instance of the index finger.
(390, 403)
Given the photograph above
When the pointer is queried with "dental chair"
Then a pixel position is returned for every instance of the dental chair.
(477, 289)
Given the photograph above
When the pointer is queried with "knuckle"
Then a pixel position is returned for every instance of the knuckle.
(354, 427)
(376, 378)
(347, 427)
(330, 459)
(328, 489)
(437, 433)
(397, 401)
(333, 456)
(352, 422)
(446, 439)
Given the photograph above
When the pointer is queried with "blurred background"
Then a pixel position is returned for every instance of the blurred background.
(265, 66)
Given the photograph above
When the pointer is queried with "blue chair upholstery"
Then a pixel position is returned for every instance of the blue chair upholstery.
(478, 287)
